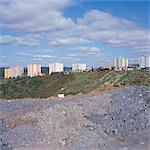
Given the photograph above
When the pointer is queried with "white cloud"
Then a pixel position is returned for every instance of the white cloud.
(88, 50)
(3, 57)
(71, 59)
(46, 17)
(67, 41)
(99, 20)
(108, 29)
(45, 56)
(34, 15)
(30, 40)
(102, 27)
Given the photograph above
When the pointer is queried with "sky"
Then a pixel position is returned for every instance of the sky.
(73, 31)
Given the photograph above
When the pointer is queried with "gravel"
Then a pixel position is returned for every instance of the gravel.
(112, 120)
(128, 112)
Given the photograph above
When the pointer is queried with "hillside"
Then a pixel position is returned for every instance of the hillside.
(73, 83)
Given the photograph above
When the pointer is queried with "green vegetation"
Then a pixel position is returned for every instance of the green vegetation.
(72, 83)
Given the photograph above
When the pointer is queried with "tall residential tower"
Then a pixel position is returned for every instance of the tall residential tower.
(56, 67)
(34, 70)
(145, 61)
(78, 67)
(13, 72)
(120, 63)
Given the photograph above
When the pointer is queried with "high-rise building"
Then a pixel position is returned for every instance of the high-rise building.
(16, 71)
(56, 67)
(114, 62)
(78, 67)
(34, 70)
(145, 61)
(7, 73)
(120, 63)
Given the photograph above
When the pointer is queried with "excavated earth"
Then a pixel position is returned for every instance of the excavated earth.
(112, 120)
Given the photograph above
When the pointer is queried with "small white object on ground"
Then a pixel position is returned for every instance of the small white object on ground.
(63, 112)
(61, 95)
(142, 143)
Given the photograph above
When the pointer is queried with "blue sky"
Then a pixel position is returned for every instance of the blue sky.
(69, 31)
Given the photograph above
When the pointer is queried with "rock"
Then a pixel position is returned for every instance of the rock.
(62, 143)
(91, 128)
(133, 118)
(63, 112)
(141, 142)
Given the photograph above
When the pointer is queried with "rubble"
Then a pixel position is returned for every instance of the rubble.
(103, 121)
(124, 115)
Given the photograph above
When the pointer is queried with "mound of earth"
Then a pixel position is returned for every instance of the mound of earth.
(112, 120)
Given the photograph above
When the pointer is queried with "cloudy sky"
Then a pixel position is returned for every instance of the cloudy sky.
(71, 31)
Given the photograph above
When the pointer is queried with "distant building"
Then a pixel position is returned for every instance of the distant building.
(13, 72)
(16, 71)
(78, 67)
(134, 66)
(120, 63)
(56, 67)
(34, 70)
(144, 62)
(7, 73)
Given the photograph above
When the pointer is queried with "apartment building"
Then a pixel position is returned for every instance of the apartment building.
(144, 62)
(120, 63)
(78, 67)
(56, 67)
(16, 71)
(34, 70)
(13, 72)
(7, 73)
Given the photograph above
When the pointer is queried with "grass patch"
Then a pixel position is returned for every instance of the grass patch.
(73, 83)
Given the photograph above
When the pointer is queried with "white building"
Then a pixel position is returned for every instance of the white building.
(34, 70)
(114, 62)
(120, 63)
(145, 62)
(78, 67)
(7, 73)
(56, 67)
(142, 62)
(16, 71)
(13, 72)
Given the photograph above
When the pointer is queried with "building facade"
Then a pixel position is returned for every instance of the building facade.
(144, 62)
(13, 72)
(120, 63)
(7, 73)
(56, 67)
(16, 71)
(34, 70)
(78, 67)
